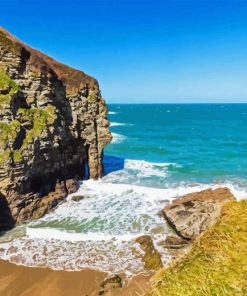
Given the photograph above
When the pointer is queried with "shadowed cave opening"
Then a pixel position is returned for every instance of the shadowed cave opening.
(36, 184)
(6, 219)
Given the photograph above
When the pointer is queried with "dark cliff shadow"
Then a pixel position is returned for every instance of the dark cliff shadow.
(6, 220)
(67, 166)
(112, 164)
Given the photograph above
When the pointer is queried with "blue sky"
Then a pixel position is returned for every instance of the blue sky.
(143, 51)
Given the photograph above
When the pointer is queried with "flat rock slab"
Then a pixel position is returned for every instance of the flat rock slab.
(191, 214)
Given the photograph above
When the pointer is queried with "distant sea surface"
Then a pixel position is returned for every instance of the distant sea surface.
(158, 152)
(208, 142)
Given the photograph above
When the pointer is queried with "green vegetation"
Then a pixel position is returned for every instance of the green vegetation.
(217, 263)
(7, 88)
(17, 156)
(38, 119)
(8, 131)
(5, 155)
(34, 120)
(92, 96)
(102, 105)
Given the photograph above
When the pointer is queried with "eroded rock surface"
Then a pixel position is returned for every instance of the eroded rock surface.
(53, 128)
(151, 258)
(77, 197)
(191, 214)
(175, 242)
(111, 282)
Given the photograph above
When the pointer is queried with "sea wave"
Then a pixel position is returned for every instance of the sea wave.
(119, 124)
(57, 234)
(112, 112)
(99, 231)
(136, 171)
(117, 138)
(147, 169)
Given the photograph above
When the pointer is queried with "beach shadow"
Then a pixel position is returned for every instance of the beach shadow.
(112, 164)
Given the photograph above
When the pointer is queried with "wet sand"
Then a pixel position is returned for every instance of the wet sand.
(28, 281)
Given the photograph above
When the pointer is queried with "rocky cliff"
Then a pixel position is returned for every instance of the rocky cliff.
(53, 128)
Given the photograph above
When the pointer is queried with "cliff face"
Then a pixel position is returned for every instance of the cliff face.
(53, 125)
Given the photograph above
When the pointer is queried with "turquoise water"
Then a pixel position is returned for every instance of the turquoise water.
(158, 153)
(207, 141)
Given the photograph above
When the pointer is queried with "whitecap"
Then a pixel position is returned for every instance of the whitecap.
(147, 169)
(112, 112)
(57, 234)
(117, 124)
(117, 138)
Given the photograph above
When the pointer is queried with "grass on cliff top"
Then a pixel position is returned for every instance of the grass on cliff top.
(217, 263)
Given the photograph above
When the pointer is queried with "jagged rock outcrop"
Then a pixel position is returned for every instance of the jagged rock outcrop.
(151, 257)
(109, 284)
(53, 128)
(193, 213)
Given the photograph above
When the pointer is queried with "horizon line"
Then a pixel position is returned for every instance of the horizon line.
(175, 103)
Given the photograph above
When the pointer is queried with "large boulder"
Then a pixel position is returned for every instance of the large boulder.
(191, 214)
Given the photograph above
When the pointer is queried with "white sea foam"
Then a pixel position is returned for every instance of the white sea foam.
(112, 112)
(117, 138)
(107, 220)
(99, 231)
(145, 168)
(239, 192)
(57, 234)
(119, 124)
(138, 171)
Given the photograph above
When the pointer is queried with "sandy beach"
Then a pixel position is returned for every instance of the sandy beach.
(27, 281)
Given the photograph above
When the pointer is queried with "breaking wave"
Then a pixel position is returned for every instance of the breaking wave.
(117, 138)
(99, 231)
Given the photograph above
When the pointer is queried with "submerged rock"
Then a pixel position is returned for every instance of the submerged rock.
(175, 242)
(191, 214)
(77, 197)
(151, 258)
(111, 282)
(53, 128)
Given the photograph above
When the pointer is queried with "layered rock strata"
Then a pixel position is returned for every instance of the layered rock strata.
(53, 128)
(193, 213)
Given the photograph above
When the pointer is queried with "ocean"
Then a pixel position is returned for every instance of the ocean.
(158, 152)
